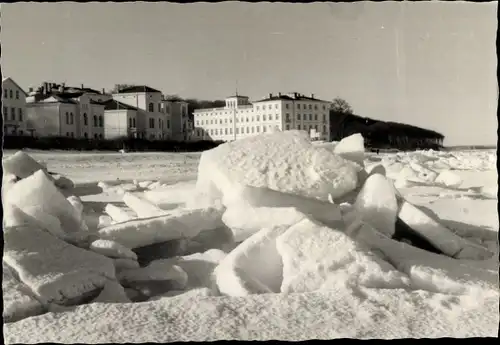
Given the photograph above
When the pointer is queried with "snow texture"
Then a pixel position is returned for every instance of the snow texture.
(376, 203)
(21, 165)
(316, 257)
(54, 270)
(117, 214)
(285, 162)
(18, 300)
(176, 225)
(449, 179)
(199, 267)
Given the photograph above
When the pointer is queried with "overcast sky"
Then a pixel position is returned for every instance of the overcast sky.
(422, 63)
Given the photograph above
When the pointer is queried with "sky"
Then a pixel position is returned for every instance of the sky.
(429, 64)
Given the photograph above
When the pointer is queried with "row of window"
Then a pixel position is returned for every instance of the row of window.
(10, 94)
(250, 130)
(257, 118)
(151, 108)
(86, 136)
(13, 113)
(160, 123)
(97, 121)
(287, 106)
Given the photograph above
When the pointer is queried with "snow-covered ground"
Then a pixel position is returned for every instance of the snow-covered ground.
(233, 245)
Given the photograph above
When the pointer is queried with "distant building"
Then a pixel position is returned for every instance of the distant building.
(120, 120)
(13, 107)
(153, 121)
(241, 119)
(181, 126)
(58, 110)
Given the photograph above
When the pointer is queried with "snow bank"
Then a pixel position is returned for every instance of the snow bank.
(352, 148)
(54, 270)
(18, 300)
(342, 313)
(285, 162)
(176, 225)
(263, 197)
(37, 193)
(316, 257)
(376, 204)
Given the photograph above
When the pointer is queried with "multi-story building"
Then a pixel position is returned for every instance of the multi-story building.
(180, 125)
(13, 107)
(57, 110)
(240, 119)
(153, 121)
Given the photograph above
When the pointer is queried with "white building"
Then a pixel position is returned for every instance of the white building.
(120, 120)
(57, 110)
(153, 121)
(13, 107)
(240, 119)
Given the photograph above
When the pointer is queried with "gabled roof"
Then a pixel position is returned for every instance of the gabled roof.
(138, 89)
(115, 105)
(12, 80)
(53, 98)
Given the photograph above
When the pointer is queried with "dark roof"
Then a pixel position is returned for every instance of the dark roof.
(40, 99)
(115, 105)
(137, 89)
(288, 98)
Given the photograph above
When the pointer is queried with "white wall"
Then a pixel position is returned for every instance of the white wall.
(16, 104)
(44, 119)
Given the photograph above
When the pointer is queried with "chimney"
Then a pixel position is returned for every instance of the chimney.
(81, 87)
(312, 95)
(279, 94)
(61, 88)
(270, 95)
(45, 88)
(103, 91)
(30, 90)
(296, 95)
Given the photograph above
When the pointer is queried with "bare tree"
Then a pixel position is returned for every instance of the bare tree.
(340, 105)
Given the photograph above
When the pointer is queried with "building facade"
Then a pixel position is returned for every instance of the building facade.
(153, 121)
(13, 108)
(241, 119)
(57, 110)
(120, 120)
(181, 126)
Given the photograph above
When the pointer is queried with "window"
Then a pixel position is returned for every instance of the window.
(310, 117)
(276, 106)
(168, 123)
(220, 121)
(85, 119)
(230, 131)
(310, 107)
(298, 116)
(17, 94)
(264, 129)
(225, 131)
(159, 123)
(286, 105)
(5, 111)
(277, 116)
(287, 117)
(95, 123)
(324, 118)
(20, 115)
(159, 107)
(252, 129)
(151, 107)
(316, 127)
(71, 119)
(315, 107)
(237, 131)
(298, 106)
(133, 122)
(85, 135)
(5, 93)
(101, 121)
(264, 117)
(13, 114)
(315, 117)
(287, 127)
(324, 128)
(130, 122)
(246, 119)
(10, 94)
(258, 118)
(248, 130)
(324, 108)
(298, 127)
(95, 135)
(257, 107)
(151, 123)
